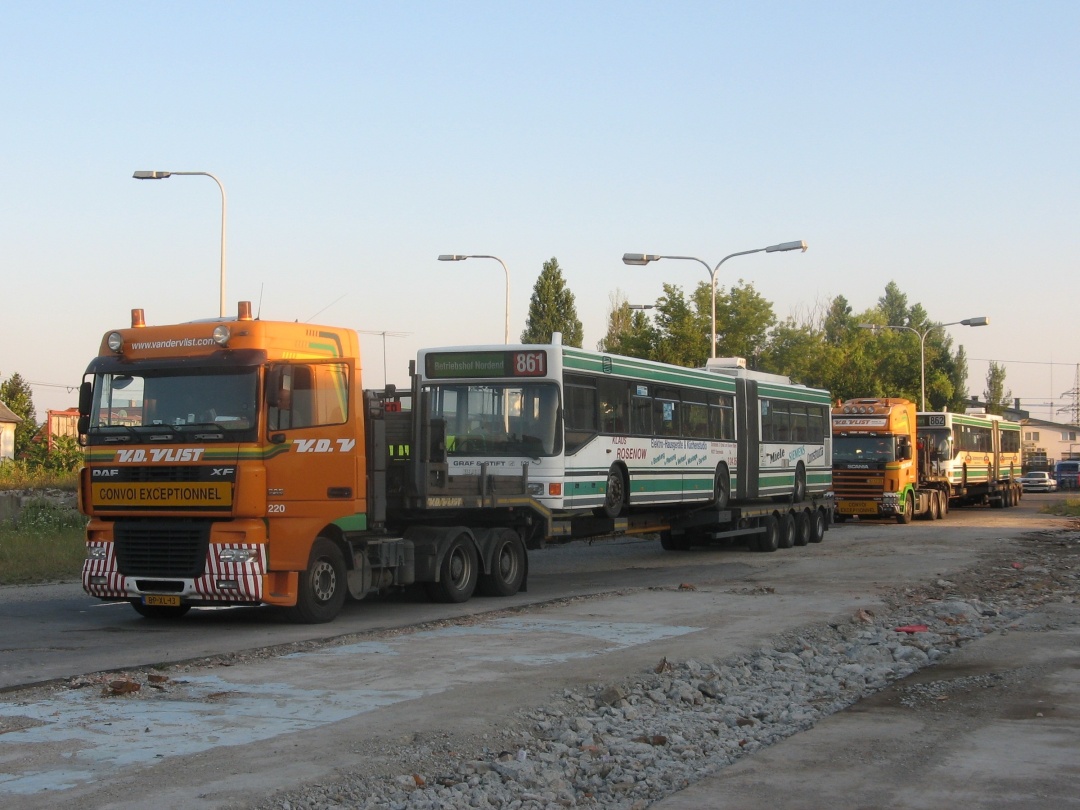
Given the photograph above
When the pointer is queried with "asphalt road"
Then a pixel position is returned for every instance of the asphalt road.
(245, 721)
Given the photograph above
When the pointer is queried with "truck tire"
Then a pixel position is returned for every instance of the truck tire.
(936, 498)
(458, 572)
(160, 612)
(322, 586)
(507, 566)
(787, 530)
(769, 540)
(906, 510)
(802, 527)
(818, 525)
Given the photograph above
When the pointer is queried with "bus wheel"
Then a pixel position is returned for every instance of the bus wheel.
(769, 540)
(616, 499)
(817, 526)
(722, 487)
(798, 493)
(457, 574)
(507, 566)
(159, 612)
(787, 530)
(322, 587)
(802, 528)
(906, 509)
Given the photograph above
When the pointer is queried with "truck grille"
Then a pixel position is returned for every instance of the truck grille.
(858, 484)
(164, 473)
(161, 548)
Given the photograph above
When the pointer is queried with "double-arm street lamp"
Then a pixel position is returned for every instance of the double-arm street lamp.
(980, 321)
(453, 257)
(162, 176)
(645, 258)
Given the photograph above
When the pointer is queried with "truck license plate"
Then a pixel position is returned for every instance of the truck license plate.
(161, 601)
(857, 508)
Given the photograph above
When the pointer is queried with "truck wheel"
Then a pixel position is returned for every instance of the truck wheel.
(457, 574)
(769, 540)
(722, 487)
(322, 587)
(787, 530)
(936, 504)
(798, 493)
(507, 566)
(616, 499)
(817, 526)
(906, 509)
(802, 528)
(944, 502)
(160, 612)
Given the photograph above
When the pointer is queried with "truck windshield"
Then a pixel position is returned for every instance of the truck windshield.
(854, 449)
(174, 405)
(498, 420)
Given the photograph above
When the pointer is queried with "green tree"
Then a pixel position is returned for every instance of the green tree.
(743, 321)
(997, 398)
(16, 394)
(551, 309)
(630, 331)
(679, 340)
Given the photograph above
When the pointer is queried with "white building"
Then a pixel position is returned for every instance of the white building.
(8, 421)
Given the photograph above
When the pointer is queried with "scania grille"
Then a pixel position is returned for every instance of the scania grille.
(858, 484)
(161, 548)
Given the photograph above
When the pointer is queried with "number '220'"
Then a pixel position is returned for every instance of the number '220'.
(275, 508)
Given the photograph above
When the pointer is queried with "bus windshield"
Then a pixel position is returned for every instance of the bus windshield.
(174, 405)
(494, 419)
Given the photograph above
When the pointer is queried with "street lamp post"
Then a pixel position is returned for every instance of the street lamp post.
(980, 321)
(162, 176)
(640, 259)
(454, 257)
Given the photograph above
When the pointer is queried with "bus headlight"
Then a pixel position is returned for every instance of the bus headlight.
(536, 490)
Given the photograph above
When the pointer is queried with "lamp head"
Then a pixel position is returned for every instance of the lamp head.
(800, 245)
(151, 175)
(639, 259)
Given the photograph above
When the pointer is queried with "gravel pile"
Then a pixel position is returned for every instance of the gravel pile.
(629, 744)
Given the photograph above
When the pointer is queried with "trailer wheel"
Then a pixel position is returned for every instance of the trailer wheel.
(798, 493)
(722, 487)
(787, 530)
(944, 502)
(817, 526)
(616, 498)
(323, 585)
(457, 574)
(507, 566)
(769, 540)
(906, 509)
(160, 612)
(802, 527)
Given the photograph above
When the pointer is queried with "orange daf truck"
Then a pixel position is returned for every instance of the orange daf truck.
(878, 471)
(237, 461)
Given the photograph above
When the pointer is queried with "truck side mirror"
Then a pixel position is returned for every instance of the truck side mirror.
(903, 452)
(275, 380)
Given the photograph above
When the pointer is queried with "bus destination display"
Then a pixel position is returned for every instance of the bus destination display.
(486, 364)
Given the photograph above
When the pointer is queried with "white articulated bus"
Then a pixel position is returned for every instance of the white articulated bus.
(978, 453)
(612, 435)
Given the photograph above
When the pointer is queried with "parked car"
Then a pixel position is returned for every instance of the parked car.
(1038, 481)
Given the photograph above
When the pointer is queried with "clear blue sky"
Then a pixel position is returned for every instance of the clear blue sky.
(933, 144)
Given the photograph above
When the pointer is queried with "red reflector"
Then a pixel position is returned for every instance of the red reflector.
(392, 407)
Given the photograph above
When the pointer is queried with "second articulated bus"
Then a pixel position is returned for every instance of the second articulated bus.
(979, 455)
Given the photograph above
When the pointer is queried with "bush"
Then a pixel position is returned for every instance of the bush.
(45, 543)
